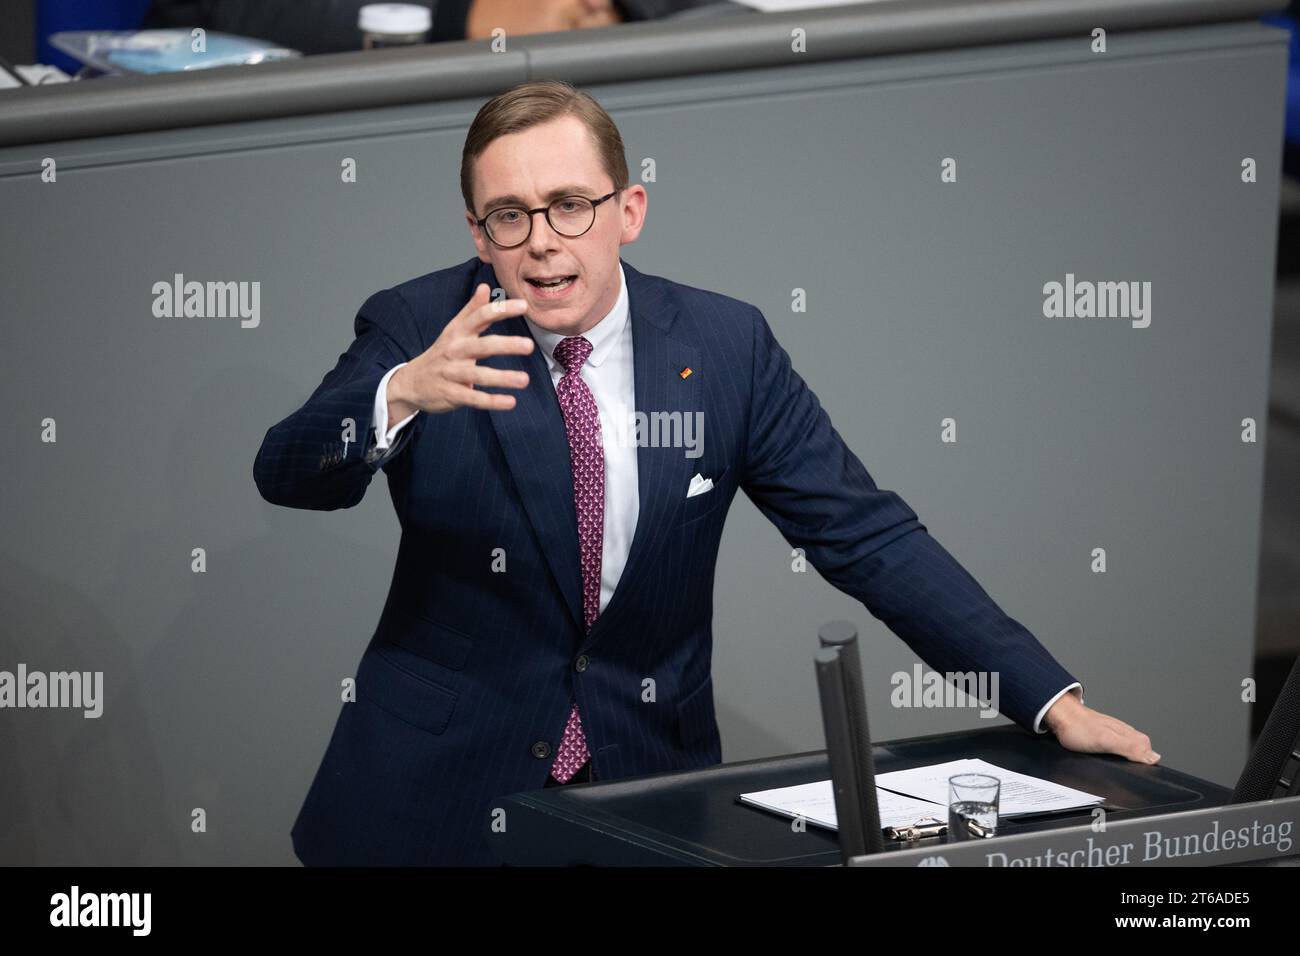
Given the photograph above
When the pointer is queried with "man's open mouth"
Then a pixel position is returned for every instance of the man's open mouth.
(557, 283)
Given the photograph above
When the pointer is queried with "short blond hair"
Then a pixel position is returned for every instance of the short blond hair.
(529, 104)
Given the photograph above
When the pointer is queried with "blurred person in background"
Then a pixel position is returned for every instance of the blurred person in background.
(330, 26)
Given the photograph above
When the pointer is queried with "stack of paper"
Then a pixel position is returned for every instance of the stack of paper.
(815, 802)
(906, 796)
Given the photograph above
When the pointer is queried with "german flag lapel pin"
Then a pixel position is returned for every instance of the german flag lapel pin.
(685, 373)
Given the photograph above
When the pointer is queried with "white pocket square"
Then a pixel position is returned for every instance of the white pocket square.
(699, 486)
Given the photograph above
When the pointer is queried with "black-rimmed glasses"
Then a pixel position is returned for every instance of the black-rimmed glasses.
(570, 216)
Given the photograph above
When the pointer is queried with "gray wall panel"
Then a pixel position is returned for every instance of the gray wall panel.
(924, 302)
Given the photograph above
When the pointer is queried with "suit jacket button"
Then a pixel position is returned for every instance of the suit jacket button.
(541, 750)
(580, 664)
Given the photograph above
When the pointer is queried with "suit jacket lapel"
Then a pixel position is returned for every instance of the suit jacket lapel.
(663, 473)
(536, 446)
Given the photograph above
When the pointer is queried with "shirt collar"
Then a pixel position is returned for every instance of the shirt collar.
(602, 336)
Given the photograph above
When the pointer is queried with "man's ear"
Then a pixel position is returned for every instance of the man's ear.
(476, 234)
(635, 203)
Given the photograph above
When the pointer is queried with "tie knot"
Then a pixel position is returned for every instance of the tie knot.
(571, 352)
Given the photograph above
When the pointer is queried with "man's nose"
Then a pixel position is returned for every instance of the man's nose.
(541, 234)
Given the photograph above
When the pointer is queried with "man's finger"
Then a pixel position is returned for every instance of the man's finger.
(473, 398)
(480, 317)
(497, 377)
(480, 299)
(1130, 743)
(483, 346)
(469, 375)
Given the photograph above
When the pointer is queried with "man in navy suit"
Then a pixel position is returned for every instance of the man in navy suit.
(549, 618)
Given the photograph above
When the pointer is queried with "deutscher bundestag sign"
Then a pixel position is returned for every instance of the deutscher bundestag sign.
(1212, 836)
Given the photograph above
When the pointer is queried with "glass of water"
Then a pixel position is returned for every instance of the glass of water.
(972, 806)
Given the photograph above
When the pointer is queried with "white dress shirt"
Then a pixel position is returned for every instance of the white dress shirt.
(608, 373)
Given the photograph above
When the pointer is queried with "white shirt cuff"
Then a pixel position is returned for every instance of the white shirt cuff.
(1048, 706)
(383, 434)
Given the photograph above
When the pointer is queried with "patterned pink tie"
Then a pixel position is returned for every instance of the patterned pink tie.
(587, 457)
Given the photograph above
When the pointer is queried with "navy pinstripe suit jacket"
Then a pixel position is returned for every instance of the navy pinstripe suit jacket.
(464, 688)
